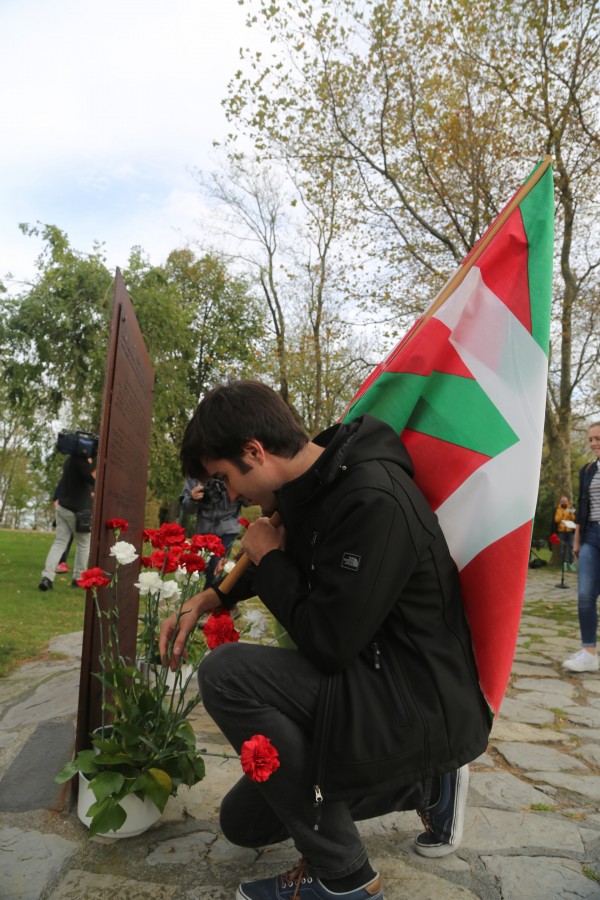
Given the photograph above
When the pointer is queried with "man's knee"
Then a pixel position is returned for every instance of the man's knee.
(213, 671)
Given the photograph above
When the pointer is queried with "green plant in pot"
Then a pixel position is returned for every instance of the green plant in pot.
(145, 745)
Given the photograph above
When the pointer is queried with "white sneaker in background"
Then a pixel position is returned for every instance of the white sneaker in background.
(582, 661)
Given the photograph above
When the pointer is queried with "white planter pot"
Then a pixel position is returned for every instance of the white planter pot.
(186, 672)
(141, 814)
(149, 672)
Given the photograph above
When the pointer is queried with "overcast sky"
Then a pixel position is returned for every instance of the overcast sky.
(104, 107)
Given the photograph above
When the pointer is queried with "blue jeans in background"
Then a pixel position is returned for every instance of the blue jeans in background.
(588, 584)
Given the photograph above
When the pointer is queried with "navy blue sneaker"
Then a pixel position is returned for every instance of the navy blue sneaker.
(299, 884)
(445, 820)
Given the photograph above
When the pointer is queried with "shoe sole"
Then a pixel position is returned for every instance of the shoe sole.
(579, 671)
(434, 851)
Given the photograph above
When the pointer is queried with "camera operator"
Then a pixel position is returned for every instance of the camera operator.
(73, 517)
(215, 514)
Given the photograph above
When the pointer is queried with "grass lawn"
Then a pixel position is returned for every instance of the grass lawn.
(30, 617)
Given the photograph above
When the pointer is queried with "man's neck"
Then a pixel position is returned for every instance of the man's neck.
(302, 461)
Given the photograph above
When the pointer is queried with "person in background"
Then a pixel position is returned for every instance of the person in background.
(564, 518)
(62, 567)
(586, 547)
(215, 514)
(77, 485)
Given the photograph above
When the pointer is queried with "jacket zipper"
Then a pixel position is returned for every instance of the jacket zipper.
(376, 656)
(318, 801)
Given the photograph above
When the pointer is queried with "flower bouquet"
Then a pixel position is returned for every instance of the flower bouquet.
(145, 745)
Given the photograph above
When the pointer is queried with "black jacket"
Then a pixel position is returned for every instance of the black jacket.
(586, 474)
(76, 485)
(369, 593)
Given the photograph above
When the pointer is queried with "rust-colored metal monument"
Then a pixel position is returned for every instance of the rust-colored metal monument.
(120, 492)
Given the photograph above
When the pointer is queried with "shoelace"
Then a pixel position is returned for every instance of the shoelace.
(424, 816)
(296, 876)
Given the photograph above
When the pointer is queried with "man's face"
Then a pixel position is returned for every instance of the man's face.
(254, 487)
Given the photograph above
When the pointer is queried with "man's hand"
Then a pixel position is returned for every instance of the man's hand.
(175, 630)
(262, 537)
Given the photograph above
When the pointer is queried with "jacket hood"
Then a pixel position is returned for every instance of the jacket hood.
(364, 439)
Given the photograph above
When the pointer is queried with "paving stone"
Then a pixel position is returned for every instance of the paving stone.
(545, 685)
(29, 860)
(181, 850)
(484, 760)
(591, 734)
(209, 892)
(68, 644)
(222, 851)
(544, 877)
(55, 698)
(543, 700)
(96, 886)
(592, 685)
(589, 752)
(491, 830)
(583, 715)
(501, 790)
(504, 730)
(401, 880)
(517, 711)
(545, 759)
(533, 670)
(586, 785)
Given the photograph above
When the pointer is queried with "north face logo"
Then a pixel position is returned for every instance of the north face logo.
(351, 561)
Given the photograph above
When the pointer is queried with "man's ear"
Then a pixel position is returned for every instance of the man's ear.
(254, 450)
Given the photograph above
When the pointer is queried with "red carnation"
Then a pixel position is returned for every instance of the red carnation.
(148, 535)
(95, 577)
(219, 629)
(554, 539)
(244, 523)
(119, 525)
(168, 535)
(259, 758)
(192, 562)
(209, 542)
(163, 560)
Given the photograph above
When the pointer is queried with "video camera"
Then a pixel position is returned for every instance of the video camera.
(78, 443)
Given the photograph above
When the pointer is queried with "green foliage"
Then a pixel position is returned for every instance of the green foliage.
(149, 750)
(56, 334)
(198, 322)
(200, 327)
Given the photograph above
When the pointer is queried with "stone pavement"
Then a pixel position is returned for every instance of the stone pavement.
(532, 822)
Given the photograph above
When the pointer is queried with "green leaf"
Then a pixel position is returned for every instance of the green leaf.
(110, 818)
(155, 784)
(106, 783)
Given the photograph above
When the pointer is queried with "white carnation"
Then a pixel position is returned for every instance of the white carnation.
(149, 583)
(259, 624)
(229, 565)
(170, 590)
(181, 574)
(124, 552)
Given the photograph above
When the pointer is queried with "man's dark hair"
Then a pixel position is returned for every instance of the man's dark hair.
(231, 414)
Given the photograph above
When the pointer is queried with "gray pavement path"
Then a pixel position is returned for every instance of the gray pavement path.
(532, 823)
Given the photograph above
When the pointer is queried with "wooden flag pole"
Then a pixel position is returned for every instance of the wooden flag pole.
(243, 563)
(453, 282)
